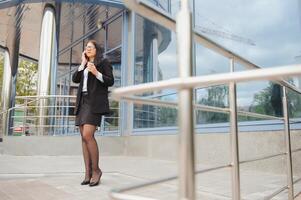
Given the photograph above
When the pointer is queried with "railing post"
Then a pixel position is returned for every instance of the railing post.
(289, 167)
(55, 114)
(24, 116)
(8, 122)
(185, 113)
(128, 63)
(234, 138)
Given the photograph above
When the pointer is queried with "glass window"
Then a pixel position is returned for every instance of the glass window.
(79, 19)
(163, 4)
(27, 78)
(111, 121)
(213, 96)
(66, 69)
(257, 35)
(115, 58)
(294, 102)
(209, 62)
(155, 60)
(114, 33)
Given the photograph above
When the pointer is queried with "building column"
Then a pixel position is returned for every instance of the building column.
(47, 64)
(11, 62)
(155, 59)
(6, 93)
(127, 70)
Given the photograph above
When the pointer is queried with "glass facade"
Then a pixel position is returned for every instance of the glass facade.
(266, 33)
(257, 35)
(155, 60)
(258, 41)
(103, 24)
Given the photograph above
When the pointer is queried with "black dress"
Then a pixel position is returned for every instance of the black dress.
(85, 114)
(91, 106)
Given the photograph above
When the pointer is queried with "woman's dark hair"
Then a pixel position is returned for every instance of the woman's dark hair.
(99, 52)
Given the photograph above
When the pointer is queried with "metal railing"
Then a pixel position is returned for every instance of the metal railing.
(186, 83)
(58, 120)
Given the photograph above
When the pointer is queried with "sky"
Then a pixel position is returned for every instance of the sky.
(273, 25)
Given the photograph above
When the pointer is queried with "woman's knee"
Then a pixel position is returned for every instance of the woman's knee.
(87, 133)
(87, 136)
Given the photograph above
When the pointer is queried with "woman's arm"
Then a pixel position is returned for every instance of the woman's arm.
(77, 75)
(106, 77)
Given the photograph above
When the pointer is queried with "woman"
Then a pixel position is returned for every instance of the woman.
(94, 76)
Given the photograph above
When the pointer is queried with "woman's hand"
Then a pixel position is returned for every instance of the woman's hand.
(91, 68)
(84, 59)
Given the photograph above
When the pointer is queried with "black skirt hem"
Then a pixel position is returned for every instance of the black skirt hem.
(85, 114)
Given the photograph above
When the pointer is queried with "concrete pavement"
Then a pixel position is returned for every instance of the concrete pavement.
(59, 177)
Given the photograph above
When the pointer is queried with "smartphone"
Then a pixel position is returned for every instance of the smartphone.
(87, 58)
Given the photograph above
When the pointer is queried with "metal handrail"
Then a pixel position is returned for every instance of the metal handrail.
(262, 158)
(116, 192)
(276, 193)
(234, 77)
(186, 83)
(34, 99)
(299, 193)
(209, 80)
(281, 190)
(46, 96)
(15, 107)
(59, 106)
(35, 126)
(45, 116)
(169, 178)
(156, 102)
(150, 12)
(296, 150)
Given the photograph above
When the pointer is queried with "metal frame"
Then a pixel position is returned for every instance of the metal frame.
(127, 72)
(66, 77)
(91, 32)
(289, 167)
(234, 137)
(10, 3)
(185, 84)
(33, 100)
(211, 80)
(185, 111)
(163, 18)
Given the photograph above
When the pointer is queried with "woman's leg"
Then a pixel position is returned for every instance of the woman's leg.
(87, 159)
(88, 136)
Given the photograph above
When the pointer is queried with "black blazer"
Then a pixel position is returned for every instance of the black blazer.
(97, 90)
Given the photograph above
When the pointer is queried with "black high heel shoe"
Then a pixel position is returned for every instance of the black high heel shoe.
(91, 184)
(85, 182)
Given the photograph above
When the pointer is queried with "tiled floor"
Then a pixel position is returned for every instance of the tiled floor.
(59, 177)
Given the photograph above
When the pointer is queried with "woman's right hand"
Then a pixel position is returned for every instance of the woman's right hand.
(84, 59)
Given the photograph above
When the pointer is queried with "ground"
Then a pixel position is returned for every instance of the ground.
(59, 177)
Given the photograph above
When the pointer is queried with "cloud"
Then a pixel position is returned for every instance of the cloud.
(274, 26)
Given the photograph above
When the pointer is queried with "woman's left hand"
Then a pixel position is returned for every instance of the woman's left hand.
(91, 68)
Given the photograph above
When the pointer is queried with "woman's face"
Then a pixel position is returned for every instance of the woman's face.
(90, 50)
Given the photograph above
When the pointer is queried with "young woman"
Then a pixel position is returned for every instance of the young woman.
(94, 76)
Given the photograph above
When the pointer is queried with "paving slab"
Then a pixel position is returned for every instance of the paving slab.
(59, 177)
